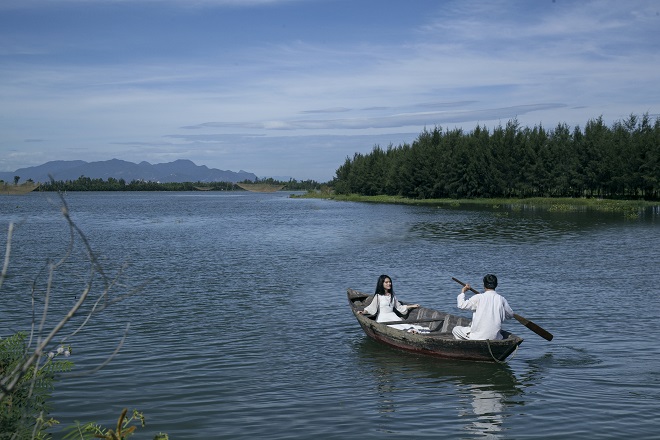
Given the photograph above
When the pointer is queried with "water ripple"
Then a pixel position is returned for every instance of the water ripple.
(242, 329)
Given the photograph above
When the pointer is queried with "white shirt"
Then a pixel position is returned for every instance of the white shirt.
(490, 309)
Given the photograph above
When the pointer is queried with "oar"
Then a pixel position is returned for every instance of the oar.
(526, 322)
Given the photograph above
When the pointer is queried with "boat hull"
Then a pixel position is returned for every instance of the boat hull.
(439, 342)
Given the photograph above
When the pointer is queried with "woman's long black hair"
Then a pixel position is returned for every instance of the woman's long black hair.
(380, 289)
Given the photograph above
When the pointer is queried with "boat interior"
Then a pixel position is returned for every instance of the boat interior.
(440, 324)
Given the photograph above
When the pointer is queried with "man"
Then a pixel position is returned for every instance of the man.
(489, 308)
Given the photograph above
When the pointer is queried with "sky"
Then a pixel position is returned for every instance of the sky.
(291, 88)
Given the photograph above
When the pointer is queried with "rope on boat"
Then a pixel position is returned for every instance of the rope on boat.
(497, 360)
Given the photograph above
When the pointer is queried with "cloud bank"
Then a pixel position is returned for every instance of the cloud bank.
(291, 88)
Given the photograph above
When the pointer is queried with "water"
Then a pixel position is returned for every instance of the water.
(241, 329)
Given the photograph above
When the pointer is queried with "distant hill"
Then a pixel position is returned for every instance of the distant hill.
(177, 171)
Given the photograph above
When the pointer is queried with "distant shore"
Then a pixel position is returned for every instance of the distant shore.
(628, 207)
(24, 188)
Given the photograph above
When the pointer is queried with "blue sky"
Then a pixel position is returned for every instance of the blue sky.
(293, 87)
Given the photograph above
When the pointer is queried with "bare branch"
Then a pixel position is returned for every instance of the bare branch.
(108, 359)
(5, 265)
(10, 381)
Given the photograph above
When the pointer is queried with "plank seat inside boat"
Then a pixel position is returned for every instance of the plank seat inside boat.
(440, 341)
(444, 325)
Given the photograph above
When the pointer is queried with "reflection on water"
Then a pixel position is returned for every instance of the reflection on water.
(488, 406)
(499, 229)
(492, 388)
(513, 224)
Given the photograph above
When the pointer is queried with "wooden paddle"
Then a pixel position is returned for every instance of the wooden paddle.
(526, 322)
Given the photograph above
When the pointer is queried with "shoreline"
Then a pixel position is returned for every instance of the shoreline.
(13, 190)
(552, 204)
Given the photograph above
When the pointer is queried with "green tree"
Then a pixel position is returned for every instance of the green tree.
(513, 161)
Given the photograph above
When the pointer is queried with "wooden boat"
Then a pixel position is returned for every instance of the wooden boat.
(439, 342)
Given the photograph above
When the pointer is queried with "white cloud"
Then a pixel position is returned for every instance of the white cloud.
(461, 64)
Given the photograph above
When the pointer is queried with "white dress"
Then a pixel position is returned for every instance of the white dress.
(385, 309)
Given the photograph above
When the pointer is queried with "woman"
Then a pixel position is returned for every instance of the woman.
(384, 305)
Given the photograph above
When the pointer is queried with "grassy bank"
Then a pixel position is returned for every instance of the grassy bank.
(628, 207)
(24, 188)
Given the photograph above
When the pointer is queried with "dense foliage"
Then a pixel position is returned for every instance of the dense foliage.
(24, 408)
(84, 183)
(621, 161)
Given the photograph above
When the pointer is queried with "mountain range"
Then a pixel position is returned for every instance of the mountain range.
(178, 171)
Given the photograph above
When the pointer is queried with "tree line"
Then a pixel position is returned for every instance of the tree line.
(617, 161)
(84, 183)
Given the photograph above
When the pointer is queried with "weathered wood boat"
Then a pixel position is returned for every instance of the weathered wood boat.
(439, 341)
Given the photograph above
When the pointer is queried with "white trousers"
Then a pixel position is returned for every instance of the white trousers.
(461, 332)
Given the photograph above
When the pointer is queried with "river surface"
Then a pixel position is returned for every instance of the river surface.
(235, 324)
